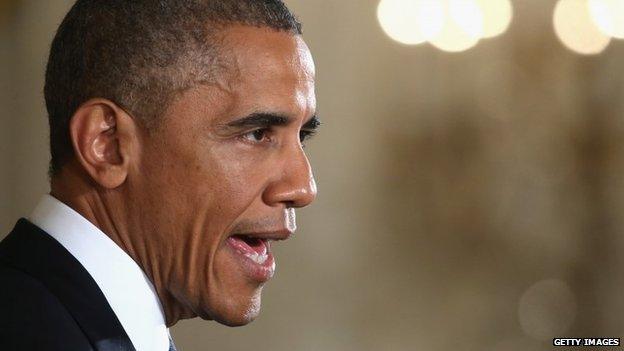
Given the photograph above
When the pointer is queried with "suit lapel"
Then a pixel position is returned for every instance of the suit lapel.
(171, 344)
(33, 251)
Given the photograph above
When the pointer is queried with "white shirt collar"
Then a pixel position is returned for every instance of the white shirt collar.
(128, 290)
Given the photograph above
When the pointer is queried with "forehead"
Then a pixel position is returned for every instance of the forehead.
(257, 55)
(264, 71)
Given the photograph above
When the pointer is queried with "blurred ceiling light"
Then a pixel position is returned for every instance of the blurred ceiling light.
(411, 22)
(463, 26)
(608, 15)
(497, 15)
(546, 309)
(575, 28)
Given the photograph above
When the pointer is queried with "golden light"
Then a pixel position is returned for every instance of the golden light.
(497, 15)
(608, 16)
(411, 22)
(576, 30)
(449, 25)
(463, 26)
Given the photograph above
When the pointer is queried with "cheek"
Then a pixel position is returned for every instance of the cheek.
(203, 186)
(203, 194)
(230, 178)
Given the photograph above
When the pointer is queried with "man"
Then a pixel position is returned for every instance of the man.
(176, 133)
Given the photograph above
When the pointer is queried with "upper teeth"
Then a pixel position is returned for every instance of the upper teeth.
(258, 258)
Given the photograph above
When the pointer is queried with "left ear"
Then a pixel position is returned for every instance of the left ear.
(105, 141)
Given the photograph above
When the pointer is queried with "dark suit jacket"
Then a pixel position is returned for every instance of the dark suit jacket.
(48, 301)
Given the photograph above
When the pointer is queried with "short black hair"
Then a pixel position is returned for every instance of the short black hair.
(139, 53)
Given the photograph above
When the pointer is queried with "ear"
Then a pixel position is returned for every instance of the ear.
(104, 138)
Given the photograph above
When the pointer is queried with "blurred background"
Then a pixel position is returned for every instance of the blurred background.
(470, 170)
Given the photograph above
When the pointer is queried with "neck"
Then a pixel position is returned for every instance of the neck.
(108, 211)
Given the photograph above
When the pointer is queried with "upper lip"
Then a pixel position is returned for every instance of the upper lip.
(270, 235)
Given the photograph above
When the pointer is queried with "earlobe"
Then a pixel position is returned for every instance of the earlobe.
(99, 131)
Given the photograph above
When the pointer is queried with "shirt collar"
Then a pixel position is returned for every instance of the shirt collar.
(127, 289)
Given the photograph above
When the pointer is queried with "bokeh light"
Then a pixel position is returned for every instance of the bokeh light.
(497, 16)
(411, 22)
(449, 25)
(547, 309)
(463, 26)
(576, 29)
(608, 16)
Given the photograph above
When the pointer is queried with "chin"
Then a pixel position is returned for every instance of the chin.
(233, 313)
(236, 322)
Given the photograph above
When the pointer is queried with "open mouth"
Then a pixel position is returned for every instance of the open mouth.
(256, 249)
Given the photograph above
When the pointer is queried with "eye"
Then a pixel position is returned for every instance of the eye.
(256, 136)
(304, 135)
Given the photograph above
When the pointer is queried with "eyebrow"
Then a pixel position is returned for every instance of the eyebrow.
(265, 120)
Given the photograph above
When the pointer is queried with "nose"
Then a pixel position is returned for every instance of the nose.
(294, 184)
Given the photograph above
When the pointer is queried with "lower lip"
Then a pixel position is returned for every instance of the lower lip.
(256, 271)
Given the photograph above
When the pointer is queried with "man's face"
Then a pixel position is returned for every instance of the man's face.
(220, 179)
